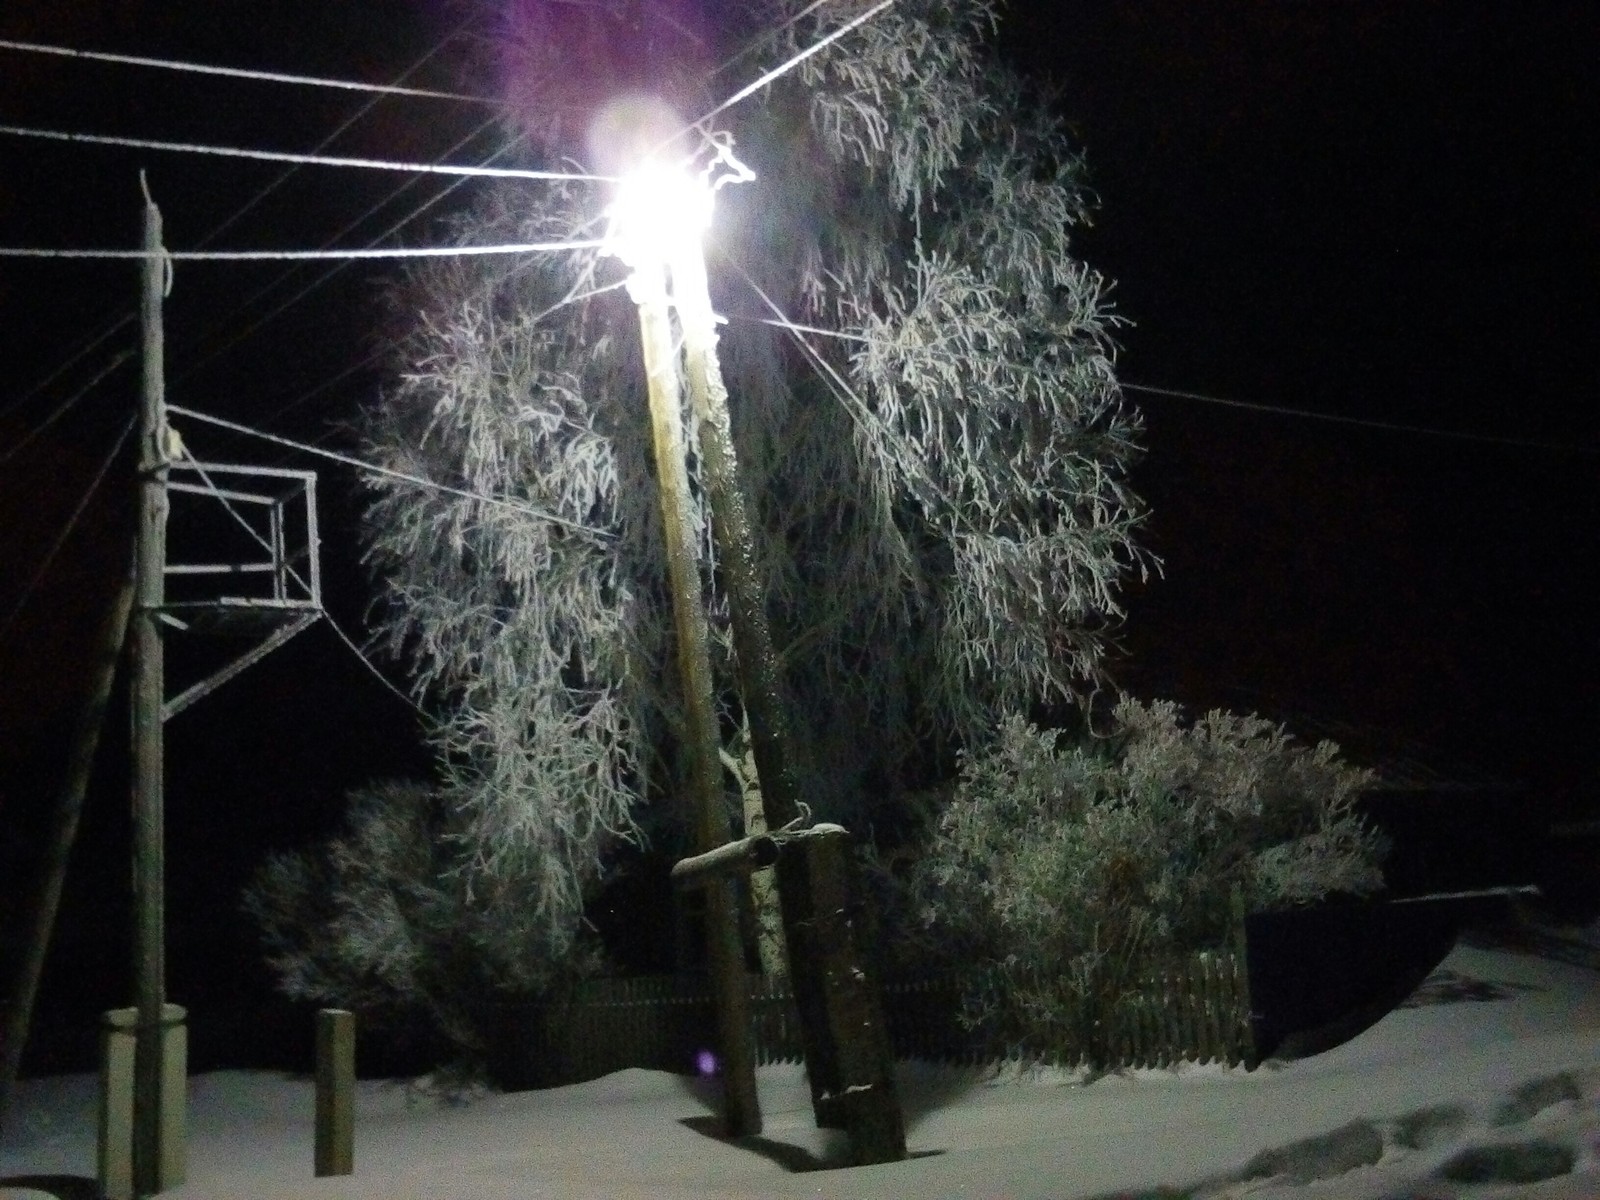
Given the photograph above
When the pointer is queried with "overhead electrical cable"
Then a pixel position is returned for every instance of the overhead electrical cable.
(853, 403)
(572, 297)
(238, 214)
(327, 141)
(743, 93)
(1365, 422)
(284, 305)
(1174, 393)
(136, 60)
(314, 160)
(311, 394)
(788, 65)
(372, 358)
(60, 410)
(762, 38)
(738, 96)
(306, 255)
(371, 666)
(73, 360)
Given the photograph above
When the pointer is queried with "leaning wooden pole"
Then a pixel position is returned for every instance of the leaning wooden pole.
(742, 1109)
(849, 1062)
(149, 868)
(57, 850)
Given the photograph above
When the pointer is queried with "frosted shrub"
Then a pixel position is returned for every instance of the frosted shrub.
(1061, 872)
(380, 919)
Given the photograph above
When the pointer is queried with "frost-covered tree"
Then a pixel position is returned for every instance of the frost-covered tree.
(1072, 868)
(382, 920)
(936, 466)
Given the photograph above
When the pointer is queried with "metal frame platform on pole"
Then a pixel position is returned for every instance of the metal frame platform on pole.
(274, 512)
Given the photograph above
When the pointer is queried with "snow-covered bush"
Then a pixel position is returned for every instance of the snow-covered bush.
(1060, 872)
(382, 919)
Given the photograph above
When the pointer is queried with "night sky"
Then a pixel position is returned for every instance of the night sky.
(1378, 211)
(1383, 211)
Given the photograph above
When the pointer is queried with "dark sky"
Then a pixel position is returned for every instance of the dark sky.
(1384, 211)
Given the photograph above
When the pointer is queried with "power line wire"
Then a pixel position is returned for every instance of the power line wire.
(136, 60)
(572, 297)
(325, 276)
(742, 94)
(303, 255)
(368, 663)
(852, 402)
(339, 129)
(795, 329)
(387, 472)
(756, 42)
(1365, 422)
(238, 214)
(217, 350)
(1174, 393)
(66, 531)
(371, 358)
(780, 70)
(73, 360)
(314, 160)
(788, 65)
(60, 410)
(312, 393)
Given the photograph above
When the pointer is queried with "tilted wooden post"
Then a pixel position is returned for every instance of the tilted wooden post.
(841, 1022)
(851, 1066)
(852, 1070)
(40, 914)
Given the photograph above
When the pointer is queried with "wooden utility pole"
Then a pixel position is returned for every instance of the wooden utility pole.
(742, 1108)
(149, 868)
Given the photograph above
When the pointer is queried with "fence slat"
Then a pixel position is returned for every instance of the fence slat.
(1195, 1008)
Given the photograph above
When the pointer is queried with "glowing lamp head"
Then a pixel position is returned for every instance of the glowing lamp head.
(658, 211)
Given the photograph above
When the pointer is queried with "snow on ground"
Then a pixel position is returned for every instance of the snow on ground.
(1486, 1086)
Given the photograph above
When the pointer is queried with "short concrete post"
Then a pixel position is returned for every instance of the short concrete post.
(118, 1032)
(336, 1091)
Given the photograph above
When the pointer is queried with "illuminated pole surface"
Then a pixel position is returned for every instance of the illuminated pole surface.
(647, 286)
(849, 1063)
(760, 684)
(149, 868)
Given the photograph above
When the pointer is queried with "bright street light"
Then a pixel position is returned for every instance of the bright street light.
(659, 211)
(662, 210)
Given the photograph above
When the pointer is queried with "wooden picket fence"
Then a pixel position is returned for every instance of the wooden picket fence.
(1195, 1010)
